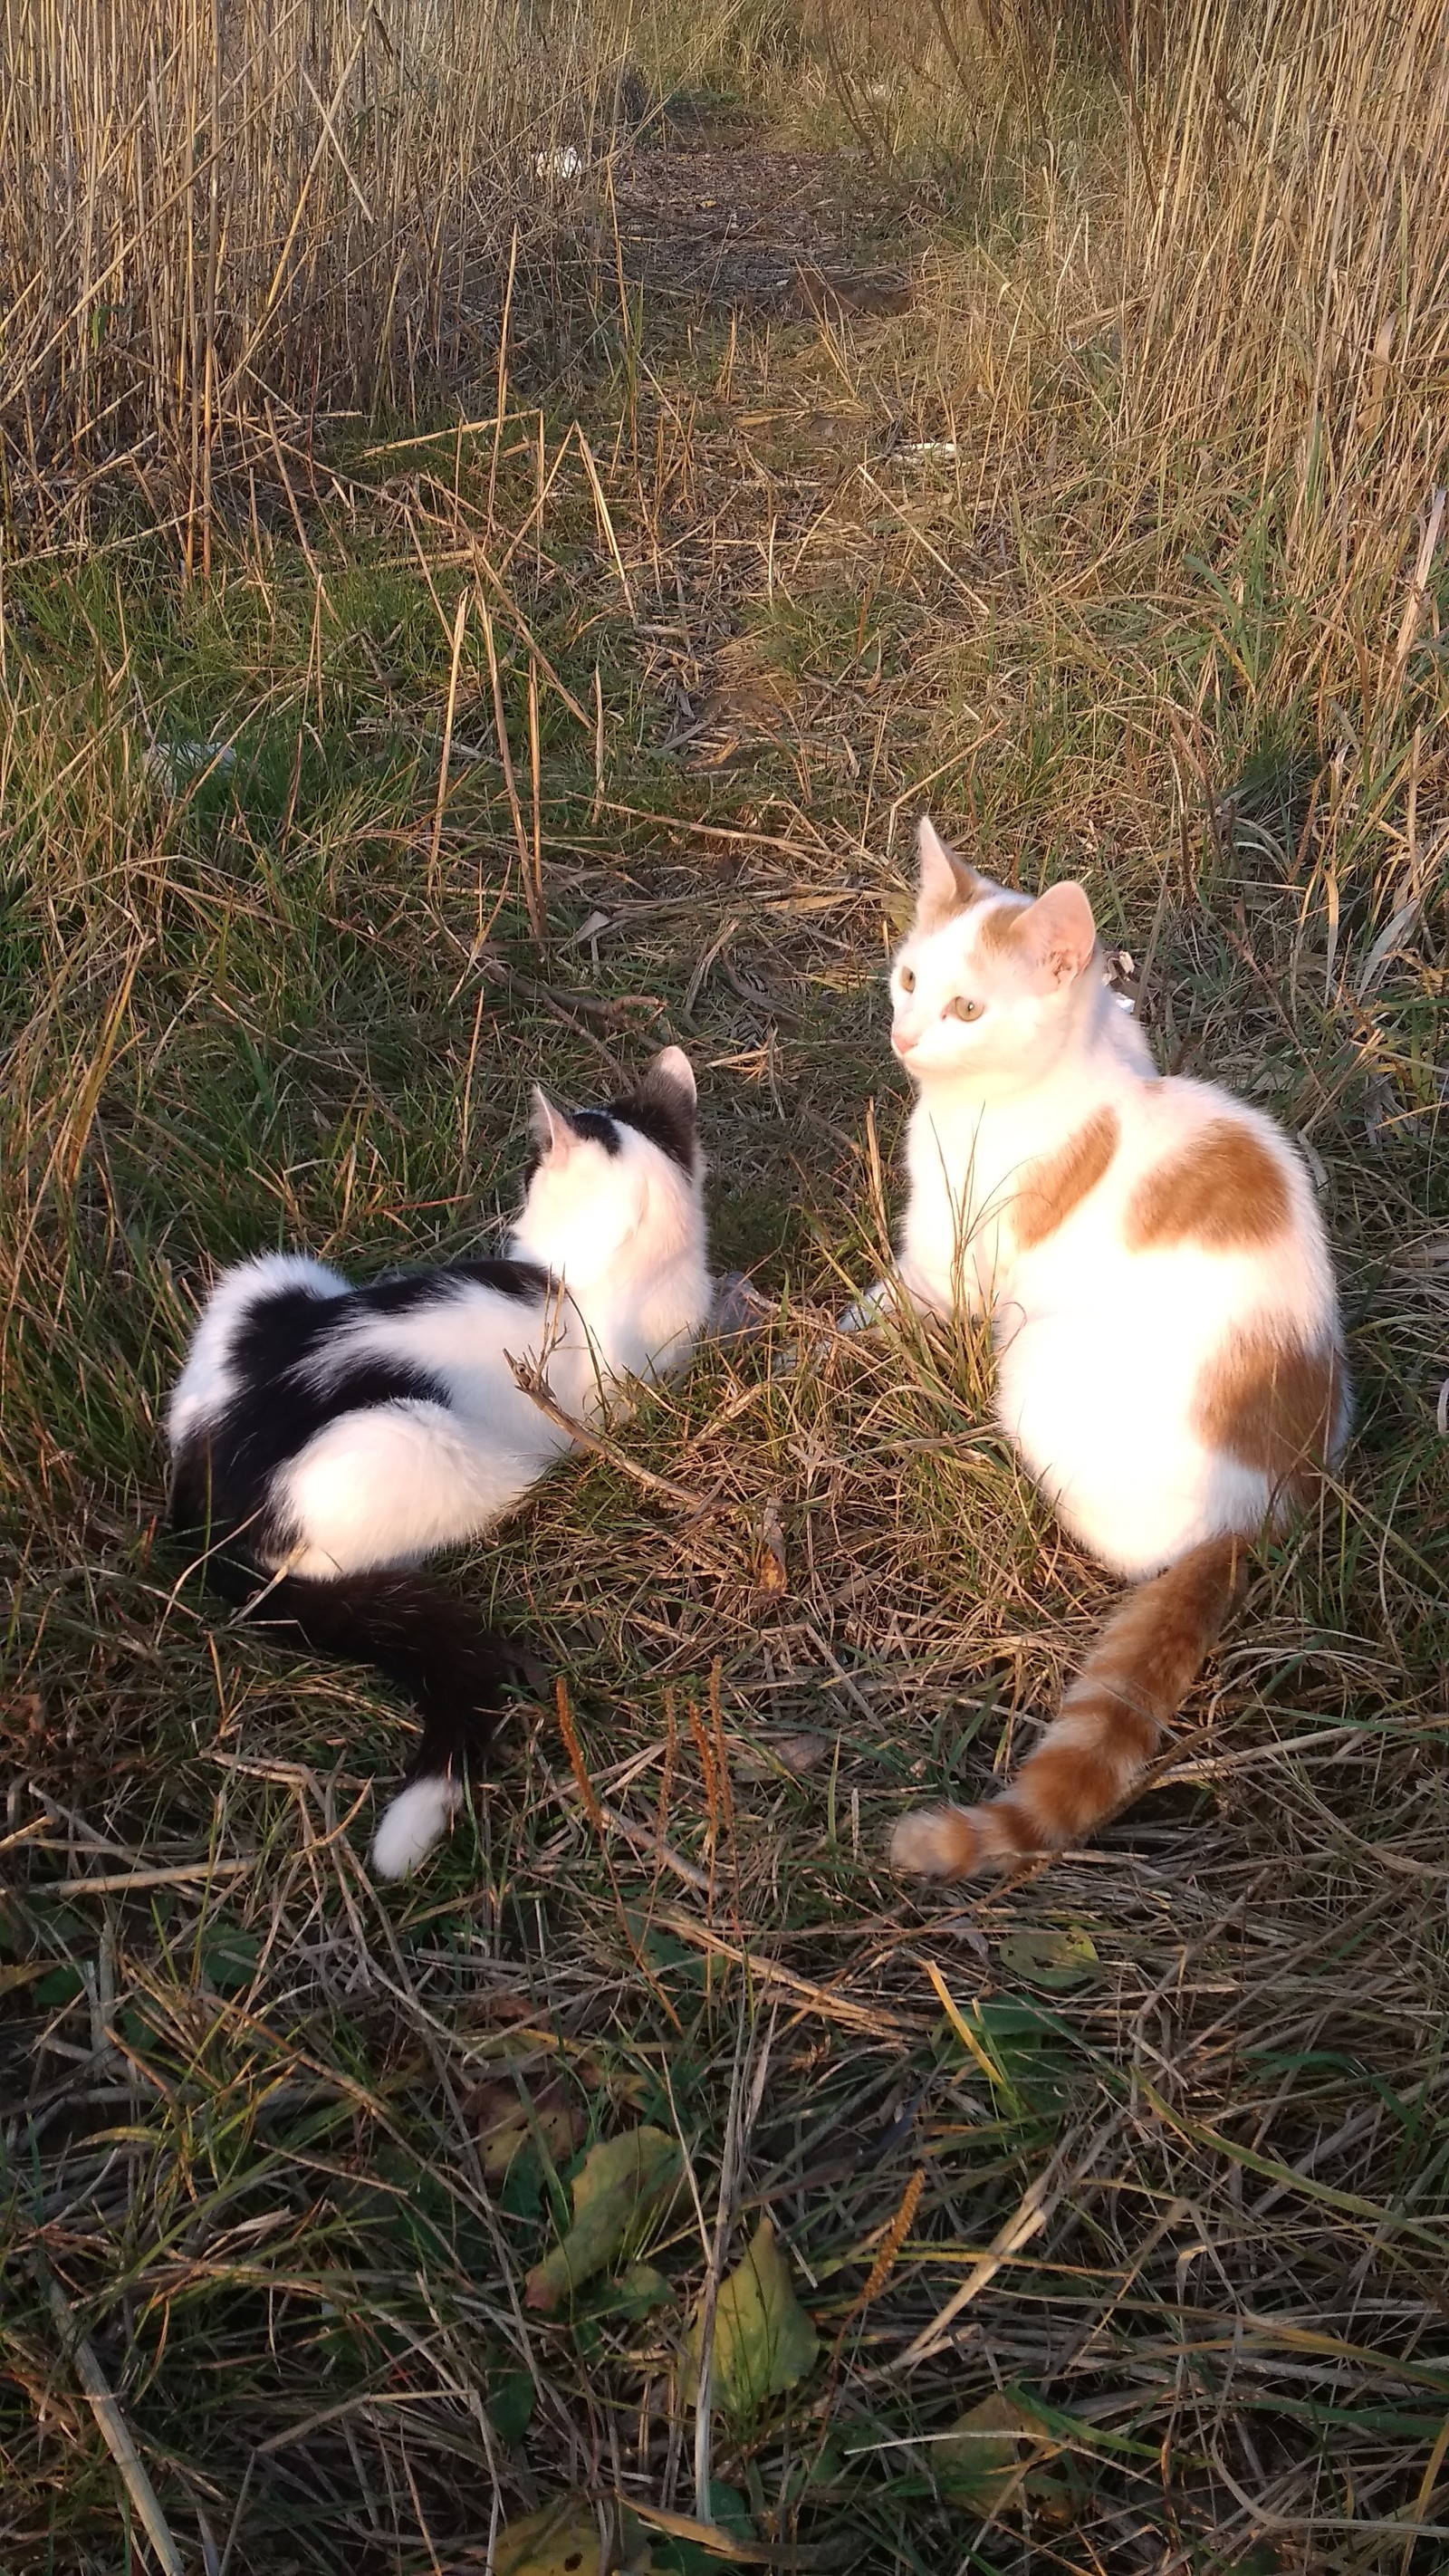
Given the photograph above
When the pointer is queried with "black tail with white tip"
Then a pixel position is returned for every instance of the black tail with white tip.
(432, 1644)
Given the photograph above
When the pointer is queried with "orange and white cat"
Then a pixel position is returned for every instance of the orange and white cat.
(1162, 1304)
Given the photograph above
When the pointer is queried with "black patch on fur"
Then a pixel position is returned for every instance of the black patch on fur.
(223, 1475)
(656, 1109)
(598, 1124)
(424, 1638)
(660, 1111)
(408, 1292)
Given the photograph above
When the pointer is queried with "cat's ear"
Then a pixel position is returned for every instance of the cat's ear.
(671, 1070)
(663, 1104)
(947, 884)
(1056, 936)
(548, 1128)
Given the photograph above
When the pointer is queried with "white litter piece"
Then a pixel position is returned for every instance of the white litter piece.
(739, 1309)
(925, 449)
(565, 161)
(593, 928)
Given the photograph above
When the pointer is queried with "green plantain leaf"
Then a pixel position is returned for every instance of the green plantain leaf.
(622, 2181)
(1055, 1960)
(763, 2340)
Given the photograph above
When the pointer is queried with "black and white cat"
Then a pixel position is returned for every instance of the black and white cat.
(327, 1438)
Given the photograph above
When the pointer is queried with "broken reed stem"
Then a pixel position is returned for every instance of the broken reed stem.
(111, 2423)
(606, 523)
(502, 404)
(460, 619)
(505, 755)
(537, 918)
(666, 1773)
(1412, 618)
(722, 1768)
(596, 808)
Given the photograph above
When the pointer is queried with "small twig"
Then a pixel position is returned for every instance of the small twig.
(607, 524)
(653, 1846)
(79, 2350)
(724, 2223)
(122, 1883)
(536, 1386)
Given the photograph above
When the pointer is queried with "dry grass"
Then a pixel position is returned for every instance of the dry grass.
(1120, 547)
(225, 214)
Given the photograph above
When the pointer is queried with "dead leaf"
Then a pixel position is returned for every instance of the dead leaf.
(772, 1754)
(995, 2453)
(641, 2290)
(26, 1973)
(828, 292)
(501, 2119)
(771, 1573)
(623, 2181)
(504, 2008)
(562, 2539)
(763, 2340)
(1055, 1960)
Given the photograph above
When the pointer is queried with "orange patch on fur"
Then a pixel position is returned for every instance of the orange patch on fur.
(1065, 1789)
(996, 931)
(1059, 1183)
(1093, 1758)
(1224, 1190)
(1274, 1405)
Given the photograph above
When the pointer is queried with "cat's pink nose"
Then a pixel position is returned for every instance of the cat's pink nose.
(902, 1045)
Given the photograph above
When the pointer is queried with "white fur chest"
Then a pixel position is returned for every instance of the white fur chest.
(965, 1161)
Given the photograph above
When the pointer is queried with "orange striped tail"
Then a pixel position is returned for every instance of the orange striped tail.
(1092, 1760)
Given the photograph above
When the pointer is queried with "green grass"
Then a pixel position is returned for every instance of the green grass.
(299, 1001)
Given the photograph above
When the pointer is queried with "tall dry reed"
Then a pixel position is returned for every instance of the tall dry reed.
(1285, 272)
(210, 207)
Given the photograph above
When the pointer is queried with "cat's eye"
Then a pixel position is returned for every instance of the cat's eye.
(961, 1009)
(908, 981)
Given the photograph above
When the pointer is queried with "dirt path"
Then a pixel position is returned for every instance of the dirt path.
(749, 227)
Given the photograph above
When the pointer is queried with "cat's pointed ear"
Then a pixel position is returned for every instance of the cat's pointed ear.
(947, 884)
(1055, 936)
(547, 1126)
(663, 1103)
(672, 1070)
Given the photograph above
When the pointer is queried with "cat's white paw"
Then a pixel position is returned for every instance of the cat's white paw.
(416, 1819)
